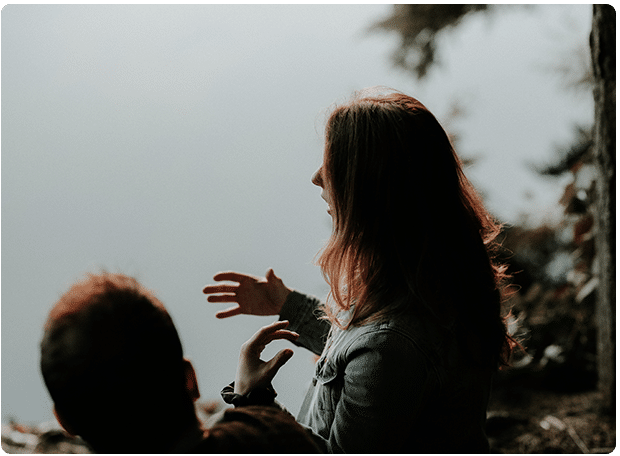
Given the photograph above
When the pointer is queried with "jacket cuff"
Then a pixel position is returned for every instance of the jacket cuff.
(258, 396)
(294, 309)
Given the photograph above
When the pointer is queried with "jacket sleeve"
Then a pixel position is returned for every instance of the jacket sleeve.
(256, 429)
(302, 312)
(386, 380)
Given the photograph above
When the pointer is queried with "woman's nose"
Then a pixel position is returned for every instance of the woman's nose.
(316, 178)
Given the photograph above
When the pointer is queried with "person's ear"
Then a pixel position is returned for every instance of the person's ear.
(63, 422)
(191, 383)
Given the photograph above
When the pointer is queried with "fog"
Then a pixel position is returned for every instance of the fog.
(173, 142)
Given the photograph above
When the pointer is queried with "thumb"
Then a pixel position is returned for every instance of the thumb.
(279, 360)
(271, 276)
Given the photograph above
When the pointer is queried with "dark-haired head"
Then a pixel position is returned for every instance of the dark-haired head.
(406, 220)
(113, 363)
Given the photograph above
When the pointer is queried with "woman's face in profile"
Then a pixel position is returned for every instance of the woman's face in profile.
(319, 179)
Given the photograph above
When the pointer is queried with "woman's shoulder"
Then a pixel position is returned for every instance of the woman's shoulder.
(401, 330)
(409, 329)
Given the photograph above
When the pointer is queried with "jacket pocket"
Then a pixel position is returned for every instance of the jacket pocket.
(329, 390)
(326, 372)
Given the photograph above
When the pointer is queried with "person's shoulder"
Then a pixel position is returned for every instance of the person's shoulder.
(404, 332)
(257, 429)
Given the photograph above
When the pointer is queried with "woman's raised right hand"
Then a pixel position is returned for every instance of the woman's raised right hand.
(252, 295)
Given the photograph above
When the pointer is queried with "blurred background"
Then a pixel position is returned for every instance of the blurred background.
(173, 142)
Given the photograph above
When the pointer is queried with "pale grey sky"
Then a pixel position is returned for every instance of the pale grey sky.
(172, 142)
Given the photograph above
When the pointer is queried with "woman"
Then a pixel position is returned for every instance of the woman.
(412, 330)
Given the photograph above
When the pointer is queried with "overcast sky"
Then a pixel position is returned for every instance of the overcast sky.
(172, 142)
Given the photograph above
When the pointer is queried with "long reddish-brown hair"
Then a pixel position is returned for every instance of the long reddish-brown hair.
(408, 226)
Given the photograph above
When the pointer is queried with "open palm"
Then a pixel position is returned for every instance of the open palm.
(252, 295)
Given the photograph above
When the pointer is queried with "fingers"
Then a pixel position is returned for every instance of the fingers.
(274, 327)
(231, 276)
(220, 289)
(229, 296)
(278, 361)
(222, 298)
(268, 334)
(283, 334)
(226, 293)
(230, 312)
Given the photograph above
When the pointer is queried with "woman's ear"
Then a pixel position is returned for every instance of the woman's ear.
(65, 425)
(191, 384)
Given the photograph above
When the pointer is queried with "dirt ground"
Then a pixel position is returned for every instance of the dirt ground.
(523, 420)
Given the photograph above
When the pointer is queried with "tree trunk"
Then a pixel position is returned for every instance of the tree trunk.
(603, 48)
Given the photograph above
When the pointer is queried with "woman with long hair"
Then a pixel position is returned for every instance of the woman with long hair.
(412, 330)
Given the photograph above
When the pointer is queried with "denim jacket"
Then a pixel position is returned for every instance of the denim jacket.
(399, 385)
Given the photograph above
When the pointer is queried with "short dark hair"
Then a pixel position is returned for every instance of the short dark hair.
(112, 359)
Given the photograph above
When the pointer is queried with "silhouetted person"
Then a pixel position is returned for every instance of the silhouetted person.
(413, 330)
(113, 363)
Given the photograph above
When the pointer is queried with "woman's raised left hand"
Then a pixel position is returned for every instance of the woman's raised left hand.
(252, 372)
